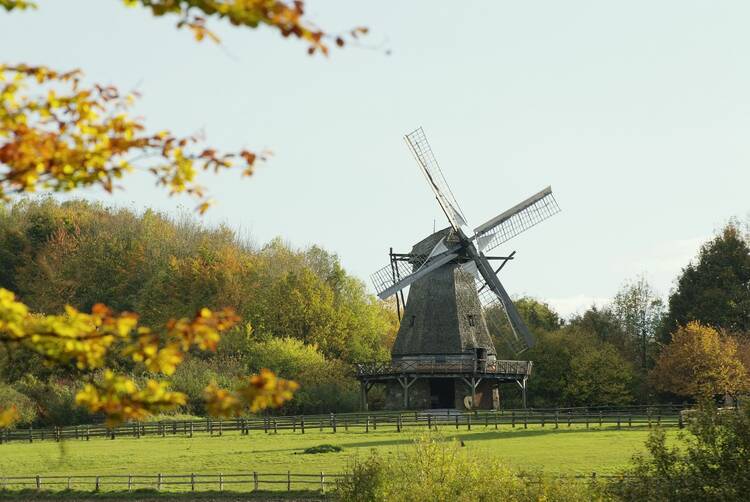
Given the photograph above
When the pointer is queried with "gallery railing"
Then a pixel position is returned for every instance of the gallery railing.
(498, 367)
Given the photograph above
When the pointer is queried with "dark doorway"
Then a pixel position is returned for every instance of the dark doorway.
(442, 393)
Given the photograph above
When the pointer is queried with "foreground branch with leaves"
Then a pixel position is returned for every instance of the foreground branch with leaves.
(58, 134)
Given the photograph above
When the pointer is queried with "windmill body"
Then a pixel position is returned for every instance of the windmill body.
(444, 355)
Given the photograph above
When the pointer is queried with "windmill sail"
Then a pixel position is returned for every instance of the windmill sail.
(417, 141)
(515, 220)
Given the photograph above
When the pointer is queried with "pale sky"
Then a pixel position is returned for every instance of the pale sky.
(637, 113)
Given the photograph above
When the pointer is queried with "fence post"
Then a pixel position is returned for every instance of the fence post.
(68, 483)
(294, 424)
(526, 420)
(367, 424)
(587, 420)
(456, 422)
(557, 419)
(513, 419)
(375, 423)
(221, 482)
(275, 429)
(38, 482)
(88, 433)
(158, 482)
(221, 428)
(630, 420)
(495, 419)
(302, 424)
(192, 481)
(288, 481)
(600, 419)
(130, 482)
(191, 429)
(429, 422)
(31, 439)
(333, 422)
(542, 419)
(468, 422)
(96, 484)
(255, 481)
(398, 423)
(322, 482)
(618, 422)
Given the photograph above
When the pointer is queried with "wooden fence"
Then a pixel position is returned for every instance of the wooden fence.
(362, 422)
(246, 481)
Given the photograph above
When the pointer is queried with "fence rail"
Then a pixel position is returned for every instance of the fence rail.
(245, 481)
(664, 415)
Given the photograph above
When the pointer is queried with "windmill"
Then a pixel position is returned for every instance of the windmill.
(456, 304)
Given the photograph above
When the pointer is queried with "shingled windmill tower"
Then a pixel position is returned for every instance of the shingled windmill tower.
(444, 355)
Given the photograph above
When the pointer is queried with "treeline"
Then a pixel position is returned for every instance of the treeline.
(303, 315)
(307, 319)
(637, 349)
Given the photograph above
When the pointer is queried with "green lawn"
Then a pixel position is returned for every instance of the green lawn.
(563, 451)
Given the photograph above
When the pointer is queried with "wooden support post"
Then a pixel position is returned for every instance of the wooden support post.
(457, 422)
(158, 482)
(130, 482)
(468, 422)
(600, 419)
(367, 424)
(294, 424)
(38, 482)
(192, 481)
(96, 484)
(322, 482)
(288, 481)
(333, 422)
(429, 422)
(557, 419)
(68, 486)
(255, 481)
(302, 424)
(221, 482)
(513, 419)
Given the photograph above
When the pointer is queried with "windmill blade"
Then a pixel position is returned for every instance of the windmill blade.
(515, 220)
(494, 296)
(420, 148)
(429, 266)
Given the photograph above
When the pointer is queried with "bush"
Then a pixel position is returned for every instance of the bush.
(54, 401)
(434, 469)
(712, 466)
(325, 384)
(24, 406)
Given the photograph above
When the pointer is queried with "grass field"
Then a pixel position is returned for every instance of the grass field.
(563, 451)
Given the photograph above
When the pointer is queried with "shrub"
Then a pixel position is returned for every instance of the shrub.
(434, 469)
(323, 448)
(712, 466)
(24, 406)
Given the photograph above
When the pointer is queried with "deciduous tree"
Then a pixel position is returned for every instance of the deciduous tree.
(700, 363)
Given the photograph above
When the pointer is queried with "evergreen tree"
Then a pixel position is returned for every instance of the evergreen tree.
(716, 290)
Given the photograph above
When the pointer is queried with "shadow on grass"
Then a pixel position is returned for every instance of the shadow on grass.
(485, 435)
(145, 495)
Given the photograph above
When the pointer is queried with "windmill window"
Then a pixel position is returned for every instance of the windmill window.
(470, 318)
(411, 321)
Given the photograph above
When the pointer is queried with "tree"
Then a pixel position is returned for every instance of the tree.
(700, 363)
(715, 291)
(639, 312)
(58, 134)
(599, 376)
(572, 367)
